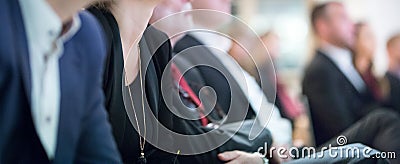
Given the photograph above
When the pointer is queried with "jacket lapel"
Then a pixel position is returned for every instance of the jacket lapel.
(21, 47)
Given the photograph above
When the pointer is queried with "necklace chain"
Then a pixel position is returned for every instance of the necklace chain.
(142, 139)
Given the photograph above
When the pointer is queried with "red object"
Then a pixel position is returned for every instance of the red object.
(373, 86)
(185, 86)
(291, 107)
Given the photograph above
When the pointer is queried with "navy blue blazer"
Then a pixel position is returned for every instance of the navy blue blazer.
(84, 134)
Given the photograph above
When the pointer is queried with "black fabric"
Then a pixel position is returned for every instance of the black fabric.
(125, 135)
(334, 102)
(201, 76)
(217, 78)
(380, 129)
(393, 100)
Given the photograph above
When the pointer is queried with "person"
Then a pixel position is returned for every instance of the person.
(289, 107)
(214, 79)
(235, 88)
(165, 18)
(393, 74)
(51, 108)
(336, 92)
(364, 50)
(132, 79)
(338, 98)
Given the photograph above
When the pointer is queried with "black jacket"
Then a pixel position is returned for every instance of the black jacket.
(154, 61)
(334, 102)
(227, 90)
(394, 101)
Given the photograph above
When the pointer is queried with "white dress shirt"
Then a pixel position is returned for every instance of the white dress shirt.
(266, 112)
(43, 28)
(344, 61)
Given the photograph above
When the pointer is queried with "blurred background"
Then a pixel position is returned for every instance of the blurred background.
(289, 19)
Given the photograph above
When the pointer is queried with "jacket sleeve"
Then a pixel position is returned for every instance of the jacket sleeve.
(96, 143)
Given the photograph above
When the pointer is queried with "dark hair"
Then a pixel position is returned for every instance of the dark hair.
(319, 11)
(106, 5)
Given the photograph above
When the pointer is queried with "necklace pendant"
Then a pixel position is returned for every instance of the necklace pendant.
(142, 159)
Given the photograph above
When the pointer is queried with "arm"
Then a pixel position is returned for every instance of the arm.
(232, 157)
(96, 143)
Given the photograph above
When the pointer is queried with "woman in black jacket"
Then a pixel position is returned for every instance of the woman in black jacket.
(124, 23)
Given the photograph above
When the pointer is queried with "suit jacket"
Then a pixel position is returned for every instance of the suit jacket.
(393, 101)
(217, 76)
(334, 102)
(156, 53)
(201, 76)
(84, 134)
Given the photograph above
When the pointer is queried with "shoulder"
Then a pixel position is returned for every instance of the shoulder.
(319, 64)
(159, 45)
(90, 38)
(186, 42)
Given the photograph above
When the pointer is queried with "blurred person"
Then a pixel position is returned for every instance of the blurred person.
(393, 74)
(364, 53)
(290, 108)
(234, 87)
(338, 98)
(334, 88)
(165, 18)
(243, 38)
(133, 72)
(51, 108)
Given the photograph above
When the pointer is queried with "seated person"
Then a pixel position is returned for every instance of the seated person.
(256, 58)
(235, 89)
(132, 79)
(363, 54)
(211, 123)
(393, 74)
(337, 95)
(128, 122)
(51, 103)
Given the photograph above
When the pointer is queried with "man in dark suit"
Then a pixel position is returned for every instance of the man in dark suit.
(205, 126)
(336, 93)
(235, 89)
(393, 74)
(51, 108)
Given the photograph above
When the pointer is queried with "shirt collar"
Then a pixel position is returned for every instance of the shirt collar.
(339, 55)
(42, 24)
(73, 29)
(213, 39)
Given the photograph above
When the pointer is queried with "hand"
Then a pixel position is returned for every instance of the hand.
(240, 157)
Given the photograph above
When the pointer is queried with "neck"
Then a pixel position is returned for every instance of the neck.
(362, 64)
(132, 18)
(67, 9)
(327, 42)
